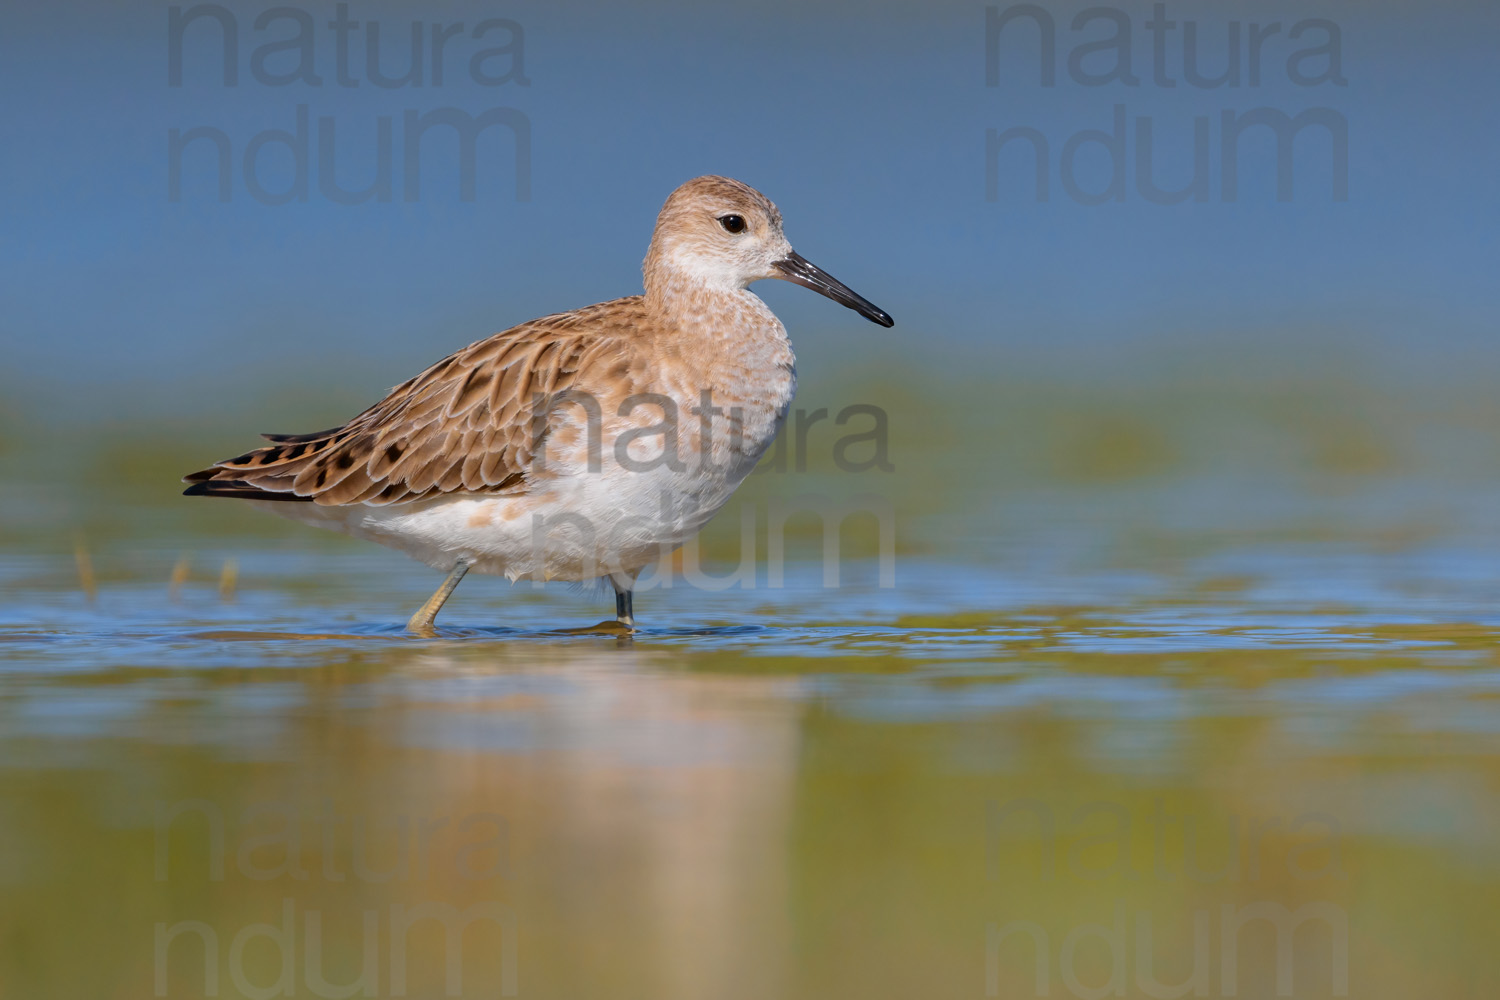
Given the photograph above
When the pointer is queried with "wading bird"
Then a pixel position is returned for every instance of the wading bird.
(577, 446)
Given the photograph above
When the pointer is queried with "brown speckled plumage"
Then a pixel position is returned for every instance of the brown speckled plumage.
(576, 445)
(470, 423)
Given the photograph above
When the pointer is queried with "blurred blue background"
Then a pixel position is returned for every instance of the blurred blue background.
(866, 123)
(1194, 504)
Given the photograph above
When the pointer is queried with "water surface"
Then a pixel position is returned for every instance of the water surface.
(815, 792)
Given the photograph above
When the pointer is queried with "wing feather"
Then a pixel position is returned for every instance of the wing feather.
(469, 423)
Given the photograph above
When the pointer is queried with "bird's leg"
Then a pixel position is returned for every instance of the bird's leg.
(421, 622)
(624, 613)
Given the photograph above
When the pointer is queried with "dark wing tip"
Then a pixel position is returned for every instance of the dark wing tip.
(302, 438)
(238, 489)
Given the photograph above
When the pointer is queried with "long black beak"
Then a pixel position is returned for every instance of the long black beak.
(795, 267)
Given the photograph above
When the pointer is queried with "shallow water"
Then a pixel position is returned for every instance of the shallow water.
(800, 792)
(1186, 685)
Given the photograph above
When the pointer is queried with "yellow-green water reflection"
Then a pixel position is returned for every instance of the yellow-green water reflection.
(841, 799)
(1163, 672)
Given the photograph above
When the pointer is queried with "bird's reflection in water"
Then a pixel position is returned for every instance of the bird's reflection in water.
(646, 808)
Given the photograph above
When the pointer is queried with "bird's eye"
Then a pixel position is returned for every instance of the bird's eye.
(732, 223)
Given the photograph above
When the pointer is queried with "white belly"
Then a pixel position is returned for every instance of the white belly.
(576, 525)
(581, 519)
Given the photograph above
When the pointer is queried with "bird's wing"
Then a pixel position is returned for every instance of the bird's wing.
(472, 423)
